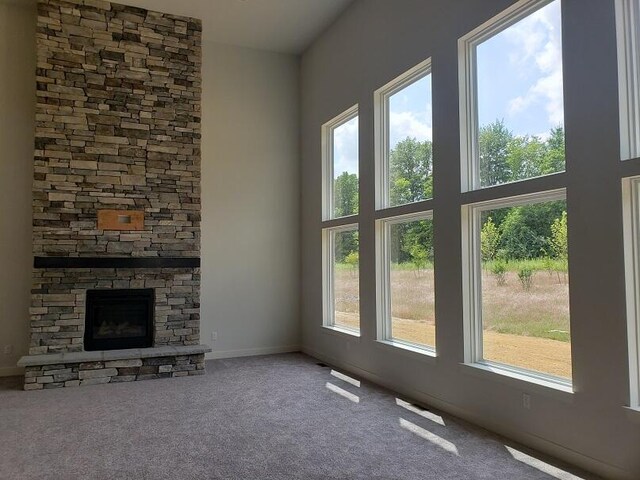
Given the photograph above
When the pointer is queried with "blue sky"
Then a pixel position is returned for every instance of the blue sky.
(345, 148)
(519, 81)
(520, 74)
(410, 112)
(409, 116)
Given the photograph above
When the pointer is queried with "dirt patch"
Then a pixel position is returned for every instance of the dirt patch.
(524, 328)
(533, 353)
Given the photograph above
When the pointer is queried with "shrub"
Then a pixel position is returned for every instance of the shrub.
(499, 270)
(419, 257)
(352, 260)
(547, 263)
(560, 244)
(525, 274)
(489, 240)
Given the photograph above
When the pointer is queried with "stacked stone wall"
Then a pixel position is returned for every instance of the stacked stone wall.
(117, 127)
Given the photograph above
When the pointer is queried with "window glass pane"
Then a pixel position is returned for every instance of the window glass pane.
(411, 291)
(628, 25)
(410, 152)
(345, 169)
(520, 110)
(346, 279)
(525, 287)
(631, 199)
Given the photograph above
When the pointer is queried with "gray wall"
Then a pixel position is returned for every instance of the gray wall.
(17, 119)
(372, 43)
(250, 201)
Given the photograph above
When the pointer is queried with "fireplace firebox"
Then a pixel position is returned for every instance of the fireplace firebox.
(119, 319)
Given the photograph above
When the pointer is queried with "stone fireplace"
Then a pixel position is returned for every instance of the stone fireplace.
(116, 196)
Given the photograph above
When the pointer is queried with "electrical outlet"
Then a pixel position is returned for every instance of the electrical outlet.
(214, 336)
(8, 349)
(526, 401)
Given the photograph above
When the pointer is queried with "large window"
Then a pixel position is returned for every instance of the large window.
(340, 236)
(404, 178)
(519, 281)
(340, 165)
(407, 302)
(404, 138)
(631, 199)
(515, 248)
(628, 30)
(513, 122)
(342, 278)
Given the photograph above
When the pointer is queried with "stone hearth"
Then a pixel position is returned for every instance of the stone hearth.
(112, 366)
(116, 192)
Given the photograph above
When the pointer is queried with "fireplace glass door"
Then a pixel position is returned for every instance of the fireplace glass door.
(118, 319)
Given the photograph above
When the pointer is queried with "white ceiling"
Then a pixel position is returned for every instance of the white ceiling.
(285, 26)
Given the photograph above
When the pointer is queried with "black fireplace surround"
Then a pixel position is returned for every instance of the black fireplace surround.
(118, 319)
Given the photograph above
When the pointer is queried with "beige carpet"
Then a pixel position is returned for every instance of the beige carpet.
(271, 417)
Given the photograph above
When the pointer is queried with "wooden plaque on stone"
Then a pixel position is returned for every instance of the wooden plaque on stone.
(128, 220)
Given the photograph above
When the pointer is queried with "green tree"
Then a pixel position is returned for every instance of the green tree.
(489, 240)
(493, 151)
(522, 232)
(526, 230)
(410, 171)
(417, 243)
(554, 158)
(353, 260)
(525, 156)
(559, 239)
(346, 244)
(519, 239)
(346, 195)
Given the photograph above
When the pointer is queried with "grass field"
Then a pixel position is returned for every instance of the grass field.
(525, 328)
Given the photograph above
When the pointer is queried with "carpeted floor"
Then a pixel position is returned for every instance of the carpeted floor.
(270, 417)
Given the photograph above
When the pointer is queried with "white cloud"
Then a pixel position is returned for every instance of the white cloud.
(345, 144)
(409, 124)
(401, 125)
(543, 136)
(538, 44)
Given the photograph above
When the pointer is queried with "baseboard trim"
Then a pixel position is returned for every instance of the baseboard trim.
(11, 371)
(532, 441)
(250, 352)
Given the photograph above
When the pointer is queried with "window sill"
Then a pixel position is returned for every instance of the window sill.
(424, 354)
(537, 385)
(340, 331)
(633, 413)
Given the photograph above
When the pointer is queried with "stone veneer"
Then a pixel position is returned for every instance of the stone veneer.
(117, 127)
(74, 374)
(59, 295)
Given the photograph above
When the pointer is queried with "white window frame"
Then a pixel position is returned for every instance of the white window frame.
(468, 84)
(627, 21)
(327, 161)
(382, 124)
(631, 227)
(328, 277)
(383, 283)
(472, 285)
